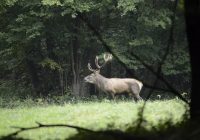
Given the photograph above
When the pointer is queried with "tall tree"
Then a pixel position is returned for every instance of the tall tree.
(192, 16)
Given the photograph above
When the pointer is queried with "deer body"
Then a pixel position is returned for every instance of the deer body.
(114, 86)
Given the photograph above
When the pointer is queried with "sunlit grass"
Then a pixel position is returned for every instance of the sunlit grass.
(92, 115)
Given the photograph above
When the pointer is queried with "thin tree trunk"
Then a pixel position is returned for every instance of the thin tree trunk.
(34, 77)
(61, 81)
(66, 80)
(74, 72)
(75, 57)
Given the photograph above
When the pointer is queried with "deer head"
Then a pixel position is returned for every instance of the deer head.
(95, 72)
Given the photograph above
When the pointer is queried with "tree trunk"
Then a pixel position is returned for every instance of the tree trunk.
(52, 77)
(192, 16)
(61, 73)
(32, 71)
(75, 57)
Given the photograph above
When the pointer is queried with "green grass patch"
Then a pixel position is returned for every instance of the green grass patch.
(92, 115)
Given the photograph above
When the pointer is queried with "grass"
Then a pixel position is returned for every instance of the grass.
(93, 115)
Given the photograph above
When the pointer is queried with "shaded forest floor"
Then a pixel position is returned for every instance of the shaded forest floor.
(118, 117)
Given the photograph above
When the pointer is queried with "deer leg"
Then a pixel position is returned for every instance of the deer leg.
(138, 97)
(112, 95)
(130, 95)
(135, 91)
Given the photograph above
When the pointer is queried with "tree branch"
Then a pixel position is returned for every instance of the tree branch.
(114, 133)
(40, 125)
(159, 70)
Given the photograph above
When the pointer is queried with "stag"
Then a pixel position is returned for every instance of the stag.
(113, 86)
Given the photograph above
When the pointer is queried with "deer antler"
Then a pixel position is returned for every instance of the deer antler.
(96, 62)
(90, 68)
(107, 57)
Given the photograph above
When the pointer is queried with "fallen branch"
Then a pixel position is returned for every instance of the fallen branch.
(116, 134)
(40, 125)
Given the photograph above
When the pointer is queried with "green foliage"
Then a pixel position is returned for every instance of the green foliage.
(181, 4)
(141, 41)
(128, 5)
(37, 38)
(50, 63)
(12, 94)
(177, 63)
(53, 2)
(155, 18)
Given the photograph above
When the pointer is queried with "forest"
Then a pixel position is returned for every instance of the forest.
(46, 45)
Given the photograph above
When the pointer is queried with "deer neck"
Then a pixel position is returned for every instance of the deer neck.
(100, 81)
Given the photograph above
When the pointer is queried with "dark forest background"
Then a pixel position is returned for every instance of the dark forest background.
(45, 45)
